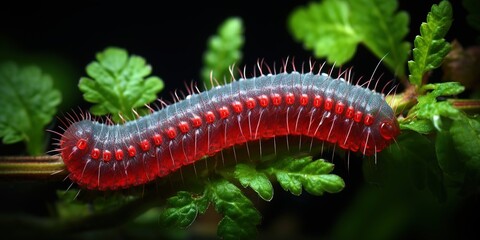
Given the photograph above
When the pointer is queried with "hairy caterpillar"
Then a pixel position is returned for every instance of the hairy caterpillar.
(109, 157)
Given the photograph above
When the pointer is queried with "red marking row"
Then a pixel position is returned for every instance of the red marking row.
(223, 112)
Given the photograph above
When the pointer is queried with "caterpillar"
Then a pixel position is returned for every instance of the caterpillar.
(109, 157)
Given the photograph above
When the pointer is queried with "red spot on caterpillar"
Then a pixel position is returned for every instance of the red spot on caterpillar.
(339, 107)
(368, 120)
(132, 151)
(328, 104)
(196, 121)
(157, 139)
(263, 100)
(223, 111)
(209, 117)
(171, 133)
(250, 103)
(81, 144)
(119, 154)
(107, 155)
(145, 145)
(183, 126)
(317, 101)
(290, 99)
(237, 107)
(95, 154)
(358, 116)
(276, 99)
(307, 104)
(350, 112)
(304, 99)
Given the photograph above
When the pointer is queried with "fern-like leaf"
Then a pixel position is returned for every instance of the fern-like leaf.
(430, 45)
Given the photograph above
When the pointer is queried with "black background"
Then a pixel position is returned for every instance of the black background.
(172, 35)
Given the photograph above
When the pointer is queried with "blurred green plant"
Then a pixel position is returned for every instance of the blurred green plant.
(223, 50)
(28, 103)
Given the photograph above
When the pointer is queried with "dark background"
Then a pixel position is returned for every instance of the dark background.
(172, 36)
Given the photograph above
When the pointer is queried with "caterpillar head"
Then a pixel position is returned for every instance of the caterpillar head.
(76, 140)
(389, 129)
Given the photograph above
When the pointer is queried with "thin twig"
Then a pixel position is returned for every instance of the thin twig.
(30, 167)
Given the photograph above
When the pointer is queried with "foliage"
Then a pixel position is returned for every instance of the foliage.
(28, 103)
(119, 84)
(458, 153)
(239, 215)
(333, 29)
(455, 133)
(223, 50)
(295, 174)
(248, 176)
(427, 113)
(182, 210)
(430, 46)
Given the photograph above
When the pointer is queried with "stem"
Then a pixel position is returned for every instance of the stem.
(35, 141)
(29, 167)
(467, 105)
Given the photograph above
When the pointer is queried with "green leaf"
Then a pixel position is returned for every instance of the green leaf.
(118, 84)
(224, 50)
(423, 126)
(258, 181)
(458, 153)
(240, 216)
(28, 102)
(325, 28)
(430, 45)
(182, 210)
(448, 160)
(293, 174)
(383, 30)
(466, 136)
(228, 228)
(444, 89)
(428, 108)
(415, 156)
(334, 28)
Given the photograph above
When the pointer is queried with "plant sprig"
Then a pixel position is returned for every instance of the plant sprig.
(295, 174)
(239, 215)
(119, 83)
(223, 50)
(426, 115)
(430, 46)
